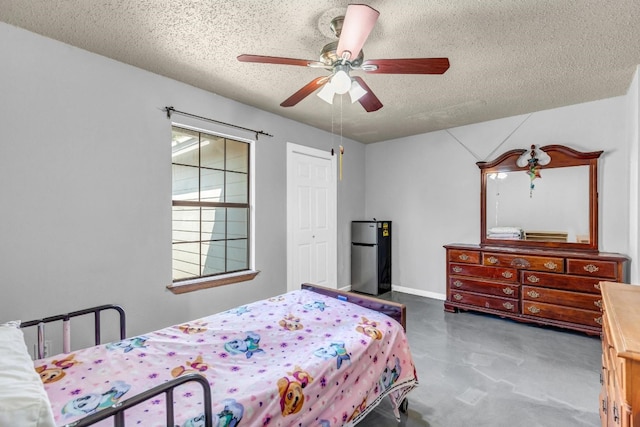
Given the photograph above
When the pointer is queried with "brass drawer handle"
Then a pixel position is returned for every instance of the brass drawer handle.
(533, 309)
(507, 274)
(492, 260)
(458, 297)
(551, 265)
(463, 257)
(533, 279)
(533, 294)
(508, 291)
(520, 263)
(597, 286)
(591, 268)
(507, 305)
(457, 283)
(457, 269)
(598, 320)
(598, 303)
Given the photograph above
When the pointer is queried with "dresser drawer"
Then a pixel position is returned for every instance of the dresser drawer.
(614, 407)
(604, 371)
(570, 299)
(594, 268)
(603, 397)
(606, 344)
(529, 262)
(461, 255)
(618, 371)
(496, 273)
(565, 314)
(561, 281)
(484, 287)
(495, 303)
(615, 367)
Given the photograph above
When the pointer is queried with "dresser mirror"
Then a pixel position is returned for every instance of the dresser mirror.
(540, 198)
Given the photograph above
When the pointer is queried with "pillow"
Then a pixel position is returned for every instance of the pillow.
(23, 400)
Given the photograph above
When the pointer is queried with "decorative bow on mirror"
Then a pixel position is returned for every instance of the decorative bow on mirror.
(533, 159)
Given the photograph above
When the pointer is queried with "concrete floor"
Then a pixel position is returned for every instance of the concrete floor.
(480, 370)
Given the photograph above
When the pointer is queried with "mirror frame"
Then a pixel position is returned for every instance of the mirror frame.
(561, 156)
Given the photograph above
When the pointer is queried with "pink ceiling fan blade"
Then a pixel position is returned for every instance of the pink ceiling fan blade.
(358, 23)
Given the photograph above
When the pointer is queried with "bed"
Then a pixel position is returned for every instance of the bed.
(311, 357)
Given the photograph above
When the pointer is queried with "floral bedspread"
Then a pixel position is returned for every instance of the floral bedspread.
(300, 359)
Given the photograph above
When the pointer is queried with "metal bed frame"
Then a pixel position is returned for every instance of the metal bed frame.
(66, 326)
(117, 411)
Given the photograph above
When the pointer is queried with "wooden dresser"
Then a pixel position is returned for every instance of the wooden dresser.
(545, 286)
(620, 378)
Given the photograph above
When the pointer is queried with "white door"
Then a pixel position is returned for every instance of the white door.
(311, 217)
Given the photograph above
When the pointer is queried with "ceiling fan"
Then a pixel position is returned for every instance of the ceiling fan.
(344, 55)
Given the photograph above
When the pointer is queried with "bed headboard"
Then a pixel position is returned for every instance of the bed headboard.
(395, 310)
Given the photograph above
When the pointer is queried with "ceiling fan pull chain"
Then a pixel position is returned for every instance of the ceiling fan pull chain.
(341, 147)
(333, 126)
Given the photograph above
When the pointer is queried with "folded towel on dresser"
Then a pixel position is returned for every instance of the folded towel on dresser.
(505, 233)
(504, 230)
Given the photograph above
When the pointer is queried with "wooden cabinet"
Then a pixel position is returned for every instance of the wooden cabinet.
(545, 286)
(620, 376)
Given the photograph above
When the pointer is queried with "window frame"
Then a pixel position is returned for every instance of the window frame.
(221, 279)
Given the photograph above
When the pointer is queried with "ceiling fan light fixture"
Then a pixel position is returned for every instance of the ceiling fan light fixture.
(327, 93)
(341, 81)
(356, 92)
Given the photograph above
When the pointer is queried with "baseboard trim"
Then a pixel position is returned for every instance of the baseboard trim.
(411, 291)
(418, 292)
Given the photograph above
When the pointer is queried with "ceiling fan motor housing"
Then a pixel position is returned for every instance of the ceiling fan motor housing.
(329, 57)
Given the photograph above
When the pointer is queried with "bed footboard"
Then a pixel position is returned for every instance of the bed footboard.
(392, 309)
(117, 411)
(66, 326)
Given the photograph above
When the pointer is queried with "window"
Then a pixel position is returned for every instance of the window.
(211, 210)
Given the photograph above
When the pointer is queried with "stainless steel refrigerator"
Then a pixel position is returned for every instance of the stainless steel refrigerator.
(371, 257)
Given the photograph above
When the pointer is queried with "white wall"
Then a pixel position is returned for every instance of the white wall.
(429, 185)
(85, 167)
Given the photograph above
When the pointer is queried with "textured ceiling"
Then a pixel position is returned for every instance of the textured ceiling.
(507, 57)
